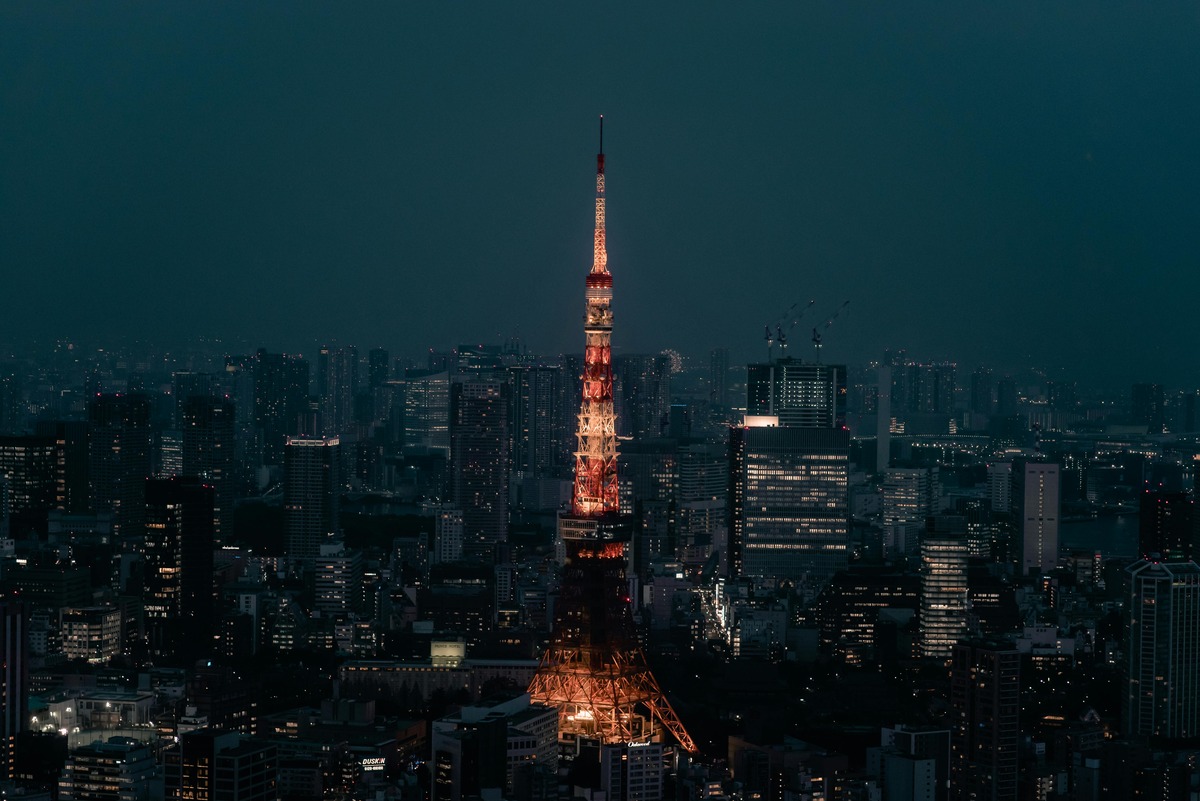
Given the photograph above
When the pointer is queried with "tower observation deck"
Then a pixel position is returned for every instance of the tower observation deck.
(595, 671)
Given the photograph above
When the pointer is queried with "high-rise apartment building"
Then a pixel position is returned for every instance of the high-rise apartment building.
(985, 703)
(311, 495)
(179, 565)
(479, 450)
(1162, 695)
(337, 387)
(120, 458)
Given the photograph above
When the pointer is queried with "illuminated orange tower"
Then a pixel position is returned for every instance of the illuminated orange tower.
(594, 670)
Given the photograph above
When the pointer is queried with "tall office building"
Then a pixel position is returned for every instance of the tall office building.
(427, 411)
(944, 593)
(910, 494)
(337, 387)
(14, 681)
(209, 453)
(179, 566)
(311, 495)
(985, 703)
(280, 400)
(1036, 500)
(479, 449)
(1166, 527)
(789, 472)
(71, 439)
(33, 469)
(798, 394)
(120, 458)
(789, 508)
(1162, 696)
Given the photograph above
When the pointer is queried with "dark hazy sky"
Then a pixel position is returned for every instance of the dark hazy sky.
(1015, 183)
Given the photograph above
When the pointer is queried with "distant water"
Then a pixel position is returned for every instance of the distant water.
(1111, 536)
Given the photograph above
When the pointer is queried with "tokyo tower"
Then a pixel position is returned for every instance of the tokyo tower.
(595, 671)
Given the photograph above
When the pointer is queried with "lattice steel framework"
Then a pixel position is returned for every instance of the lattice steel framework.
(594, 670)
(596, 490)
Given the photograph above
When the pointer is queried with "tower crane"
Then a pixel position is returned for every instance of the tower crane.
(817, 334)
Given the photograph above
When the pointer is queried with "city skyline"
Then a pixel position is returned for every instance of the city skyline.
(412, 179)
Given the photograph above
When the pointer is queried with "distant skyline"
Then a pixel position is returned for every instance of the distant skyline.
(1011, 184)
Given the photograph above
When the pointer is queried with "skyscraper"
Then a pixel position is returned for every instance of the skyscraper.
(985, 703)
(337, 386)
(1036, 500)
(944, 591)
(479, 450)
(534, 419)
(1162, 696)
(799, 394)
(789, 507)
(718, 377)
(789, 472)
(311, 495)
(209, 445)
(120, 458)
(179, 566)
(427, 411)
(642, 394)
(280, 400)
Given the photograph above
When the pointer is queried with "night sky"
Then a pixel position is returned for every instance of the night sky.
(1009, 183)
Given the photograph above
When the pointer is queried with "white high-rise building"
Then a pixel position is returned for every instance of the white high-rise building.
(1037, 501)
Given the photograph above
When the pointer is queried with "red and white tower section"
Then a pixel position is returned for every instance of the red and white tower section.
(594, 670)
(596, 458)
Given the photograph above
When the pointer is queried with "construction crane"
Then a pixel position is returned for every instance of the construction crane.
(780, 335)
(818, 333)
